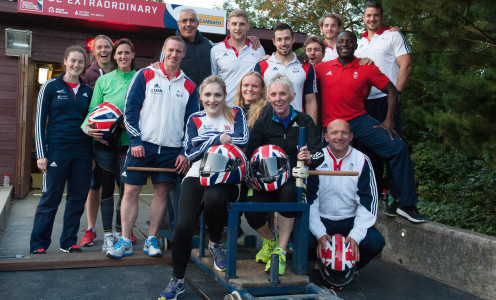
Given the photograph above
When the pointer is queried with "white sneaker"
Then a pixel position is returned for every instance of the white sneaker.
(120, 249)
(117, 236)
(152, 247)
(108, 242)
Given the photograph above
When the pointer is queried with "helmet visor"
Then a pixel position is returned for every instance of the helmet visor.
(216, 162)
(268, 168)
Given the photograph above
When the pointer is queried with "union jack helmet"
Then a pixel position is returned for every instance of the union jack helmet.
(103, 117)
(269, 167)
(223, 164)
(337, 262)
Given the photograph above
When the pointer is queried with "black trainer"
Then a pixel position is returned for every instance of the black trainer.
(391, 209)
(72, 249)
(39, 251)
(411, 213)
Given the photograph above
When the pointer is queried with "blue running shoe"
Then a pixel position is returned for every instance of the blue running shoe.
(120, 249)
(218, 251)
(173, 290)
(152, 247)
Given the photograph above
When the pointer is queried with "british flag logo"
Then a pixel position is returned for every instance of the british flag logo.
(103, 116)
(337, 254)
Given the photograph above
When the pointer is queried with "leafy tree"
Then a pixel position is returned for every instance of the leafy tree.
(302, 15)
(451, 99)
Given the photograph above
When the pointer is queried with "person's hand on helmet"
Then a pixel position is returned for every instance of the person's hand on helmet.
(91, 131)
(322, 243)
(354, 247)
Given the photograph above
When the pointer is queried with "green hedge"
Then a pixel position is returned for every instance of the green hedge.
(455, 189)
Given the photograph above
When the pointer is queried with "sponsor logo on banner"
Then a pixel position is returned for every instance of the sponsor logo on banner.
(132, 12)
(211, 20)
(30, 5)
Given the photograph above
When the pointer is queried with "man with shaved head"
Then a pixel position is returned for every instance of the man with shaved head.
(344, 205)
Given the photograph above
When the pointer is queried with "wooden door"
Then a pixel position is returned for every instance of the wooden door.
(22, 180)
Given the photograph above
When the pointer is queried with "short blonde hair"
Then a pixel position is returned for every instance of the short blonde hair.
(100, 37)
(239, 13)
(332, 16)
(284, 79)
(177, 39)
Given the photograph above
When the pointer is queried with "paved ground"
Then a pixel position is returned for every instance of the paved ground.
(380, 280)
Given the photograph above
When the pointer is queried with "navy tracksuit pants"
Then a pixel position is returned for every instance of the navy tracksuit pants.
(394, 151)
(370, 246)
(73, 167)
(377, 109)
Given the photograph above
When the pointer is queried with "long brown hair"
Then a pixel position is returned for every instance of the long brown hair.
(226, 110)
(255, 108)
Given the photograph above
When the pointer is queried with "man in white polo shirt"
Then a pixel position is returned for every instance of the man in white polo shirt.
(234, 56)
(285, 61)
(330, 26)
(391, 52)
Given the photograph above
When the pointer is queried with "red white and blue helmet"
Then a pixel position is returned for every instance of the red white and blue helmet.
(103, 117)
(337, 262)
(223, 164)
(269, 167)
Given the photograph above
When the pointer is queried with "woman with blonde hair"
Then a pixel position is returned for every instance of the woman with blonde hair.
(217, 124)
(251, 96)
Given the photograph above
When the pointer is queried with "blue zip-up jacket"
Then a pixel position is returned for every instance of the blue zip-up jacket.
(65, 111)
(200, 135)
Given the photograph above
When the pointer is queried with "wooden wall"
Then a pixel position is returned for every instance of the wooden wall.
(8, 109)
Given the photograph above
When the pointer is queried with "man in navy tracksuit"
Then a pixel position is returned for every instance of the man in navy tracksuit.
(68, 153)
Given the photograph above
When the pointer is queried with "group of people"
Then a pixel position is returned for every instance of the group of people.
(247, 101)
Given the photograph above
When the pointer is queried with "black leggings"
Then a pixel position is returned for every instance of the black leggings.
(107, 200)
(108, 167)
(192, 200)
(286, 194)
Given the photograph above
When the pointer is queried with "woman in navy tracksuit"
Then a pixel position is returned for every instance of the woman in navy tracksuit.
(63, 151)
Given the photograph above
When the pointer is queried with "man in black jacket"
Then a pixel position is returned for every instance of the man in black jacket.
(196, 63)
